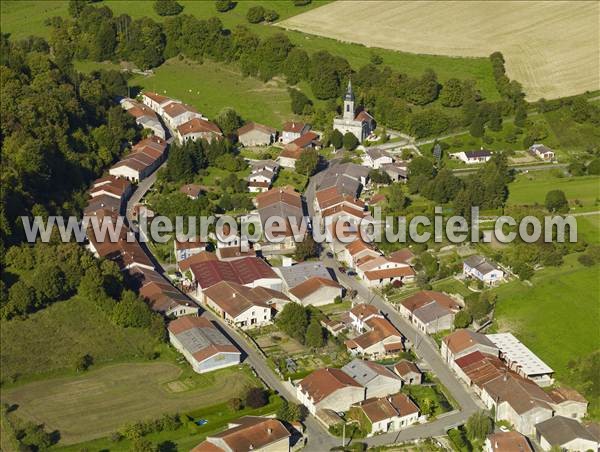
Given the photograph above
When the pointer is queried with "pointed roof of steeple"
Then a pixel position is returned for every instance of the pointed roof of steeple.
(349, 93)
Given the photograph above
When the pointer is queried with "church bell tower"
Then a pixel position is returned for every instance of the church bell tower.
(349, 102)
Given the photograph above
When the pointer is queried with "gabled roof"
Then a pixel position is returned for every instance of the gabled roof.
(404, 256)
(249, 433)
(294, 126)
(516, 353)
(511, 441)
(363, 311)
(193, 190)
(379, 409)
(250, 126)
(521, 394)
(198, 125)
(242, 271)
(364, 372)
(559, 430)
(379, 330)
(480, 263)
(294, 275)
(398, 272)
(158, 98)
(311, 285)
(423, 303)
(324, 382)
(405, 367)
(175, 109)
(563, 394)
(359, 245)
(235, 299)
(460, 340)
(202, 256)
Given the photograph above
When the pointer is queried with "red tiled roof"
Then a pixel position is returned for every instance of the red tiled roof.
(242, 271)
(202, 256)
(398, 272)
(311, 285)
(159, 98)
(249, 126)
(177, 108)
(324, 382)
(425, 297)
(198, 125)
(295, 127)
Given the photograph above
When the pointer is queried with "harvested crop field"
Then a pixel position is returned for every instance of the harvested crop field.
(551, 47)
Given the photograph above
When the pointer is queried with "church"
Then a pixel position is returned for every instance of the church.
(360, 125)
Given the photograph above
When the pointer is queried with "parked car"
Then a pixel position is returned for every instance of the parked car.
(342, 269)
(329, 254)
(351, 273)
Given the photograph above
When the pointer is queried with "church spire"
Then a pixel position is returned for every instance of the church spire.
(349, 93)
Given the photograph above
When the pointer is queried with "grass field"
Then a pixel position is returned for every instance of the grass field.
(99, 402)
(532, 187)
(588, 227)
(49, 341)
(550, 47)
(210, 87)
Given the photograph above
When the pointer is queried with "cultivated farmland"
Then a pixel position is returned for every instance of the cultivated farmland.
(550, 47)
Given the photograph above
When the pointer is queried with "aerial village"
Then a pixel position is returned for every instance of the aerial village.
(371, 365)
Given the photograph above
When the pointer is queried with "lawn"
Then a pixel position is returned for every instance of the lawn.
(423, 395)
(98, 403)
(211, 86)
(49, 341)
(588, 228)
(451, 286)
(287, 176)
(532, 187)
(557, 317)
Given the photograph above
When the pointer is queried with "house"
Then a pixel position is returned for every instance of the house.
(507, 442)
(380, 271)
(347, 178)
(330, 197)
(254, 134)
(541, 151)
(232, 253)
(387, 414)
(403, 256)
(375, 158)
(316, 292)
(249, 433)
(116, 187)
(360, 124)
(192, 191)
(186, 249)
(521, 359)
(144, 116)
(177, 113)
(329, 388)
(378, 380)
(241, 306)
(144, 158)
(360, 314)
(357, 252)
(430, 311)
(335, 327)
(248, 271)
(479, 267)
(315, 272)
(569, 403)
(476, 369)
(472, 157)
(292, 131)
(262, 175)
(198, 129)
(462, 342)
(398, 171)
(518, 401)
(381, 339)
(156, 102)
(285, 204)
(408, 372)
(202, 344)
(165, 299)
(565, 434)
(294, 149)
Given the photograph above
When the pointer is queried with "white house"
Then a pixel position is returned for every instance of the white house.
(472, 157)
(565, 434)
(198, 129)
(202, 344)
(378, 380)
(388, 414)
(479, 267)
(381, 271)
(329, 388)
(541, 151)
(177, 113)
(292, 131)
(316, 292)
(430, 311)
(376, 158)
(381, 339)
(360, 314)
(156, 102)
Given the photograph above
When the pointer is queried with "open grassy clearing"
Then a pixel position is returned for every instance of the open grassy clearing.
(49, 341)
(210, 87)
(588, 228)
(532, 187)
(99, 402)
(557, 317)
(550, 47)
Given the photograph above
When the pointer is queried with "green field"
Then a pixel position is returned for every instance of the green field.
(557, 317)
(532, 187)
(210, 87)
(588, 228)
(49, 341)
(99, 402)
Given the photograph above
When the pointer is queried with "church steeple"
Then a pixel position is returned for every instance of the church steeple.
(349, 102)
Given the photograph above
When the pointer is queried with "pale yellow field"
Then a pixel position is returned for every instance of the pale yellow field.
(551, 47)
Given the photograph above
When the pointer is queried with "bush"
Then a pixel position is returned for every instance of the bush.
(223, 6)
(256, 397)
(586, 260)
(167, 7)
(83, 363)
(236, 404)
(256, 14)
(350, 141)
(271, 15)
(301, 2)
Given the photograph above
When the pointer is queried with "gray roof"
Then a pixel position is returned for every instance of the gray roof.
(395, 169)
(262, 164)
(478, 154)
(283, 210)
(198, 338)
(297, 274)
(346, 177)
(559, 430)
(430, 312)
(376, 153)
(364, 371)
(480, 263)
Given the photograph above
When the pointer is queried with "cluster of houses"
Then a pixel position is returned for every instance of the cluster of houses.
(381, 160)
(145, 157)
(508, 378)
(364, 389)
(262, 175)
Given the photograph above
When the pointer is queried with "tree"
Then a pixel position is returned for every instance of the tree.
(314, 334)
(337, 139)
(350, 141)
(396, 198)
(380, 177)
(83, 362)
(308, 162)
(76, 7)
(452, 93)
(462, 319)
(236, 404)
(256, 397)
(520, 116)
(594, 167)
(131, 312)
(49, 282)
(167, 7)
(478, 426)
(293, 320)
(223, 6)
(477, 127)
(295, 67)
(523, 270)
(299, 101)
(556, 201)
(306, 249)
(256, 14)
(495, 120)
(228, 121)
(271, 15)
(421, 166)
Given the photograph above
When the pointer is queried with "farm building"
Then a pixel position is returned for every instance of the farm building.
(565, 434)
(378, 380)
(254, 134)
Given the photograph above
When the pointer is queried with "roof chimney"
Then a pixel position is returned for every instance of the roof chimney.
(269, 430)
